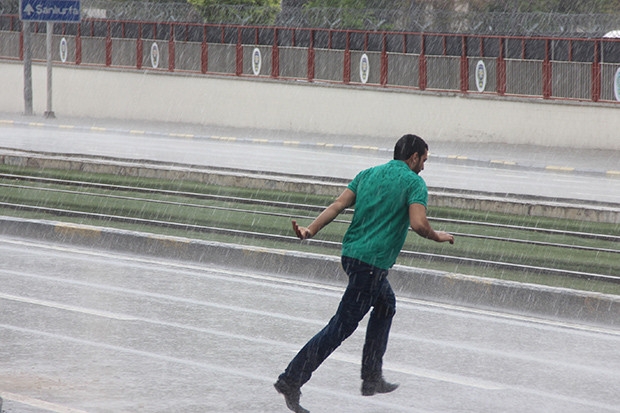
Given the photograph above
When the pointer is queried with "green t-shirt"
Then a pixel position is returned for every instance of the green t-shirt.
(381, 220)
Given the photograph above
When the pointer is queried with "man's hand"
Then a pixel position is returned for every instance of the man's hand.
(420, 224)
(345, 200)
(444, 236)
(301, 232)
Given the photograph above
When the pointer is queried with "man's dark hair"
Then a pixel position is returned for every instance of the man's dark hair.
(408, 145)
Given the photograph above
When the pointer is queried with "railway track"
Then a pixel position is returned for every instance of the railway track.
(498, 246)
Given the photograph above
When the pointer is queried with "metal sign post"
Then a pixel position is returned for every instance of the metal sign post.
(49, 113)
(27, 69)
(48, 11)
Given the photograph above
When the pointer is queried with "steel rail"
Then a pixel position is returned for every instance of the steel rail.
(283, 215)
(275, 214)
(110, 187)
(314, 208)
(601, 237)
(539, 243)
(147, 200)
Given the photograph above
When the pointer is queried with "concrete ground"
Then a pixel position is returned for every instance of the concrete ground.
(527, 156)
(90, 330)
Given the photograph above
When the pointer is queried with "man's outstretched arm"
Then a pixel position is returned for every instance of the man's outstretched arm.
(419, 223)
(345, 200)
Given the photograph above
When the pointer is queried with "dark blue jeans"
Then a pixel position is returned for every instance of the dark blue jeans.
(368, 287)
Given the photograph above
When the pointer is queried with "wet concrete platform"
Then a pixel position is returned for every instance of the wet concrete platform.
(307, 153)
(94, 330)
(580, 160)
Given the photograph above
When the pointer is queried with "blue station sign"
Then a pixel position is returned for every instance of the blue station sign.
(50, 10)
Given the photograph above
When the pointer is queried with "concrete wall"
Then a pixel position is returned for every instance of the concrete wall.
(311, 107)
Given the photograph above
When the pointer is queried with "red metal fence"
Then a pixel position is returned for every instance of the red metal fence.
(541, 67)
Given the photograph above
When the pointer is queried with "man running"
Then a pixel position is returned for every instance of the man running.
(388, 199)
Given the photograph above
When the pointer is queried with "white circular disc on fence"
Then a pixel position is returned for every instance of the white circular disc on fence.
(617, 85)
(364, 68)
(154, 55)
(64, 50)
(257, 61)
(481, 76)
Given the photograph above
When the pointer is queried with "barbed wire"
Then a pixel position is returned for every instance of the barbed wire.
(141, 10)
(443, 21)
(415, 18)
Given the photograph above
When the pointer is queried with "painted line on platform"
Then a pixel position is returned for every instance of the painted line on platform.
(430, 374)
(171, 359)
(40, 404)
(66, 307)
(69, 228)
(158, 296)
(501, 162)
(181, 135)
(427, 374)
(468, 381)
(320, 289)
(204, 330)
(556, 168)
(317, 287)
(422, 373)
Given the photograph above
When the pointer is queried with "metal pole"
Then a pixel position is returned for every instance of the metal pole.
(50, 29)
(27, 68)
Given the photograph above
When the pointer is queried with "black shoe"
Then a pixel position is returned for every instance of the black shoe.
(372, 387)
(291, 395)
